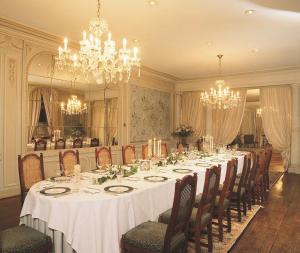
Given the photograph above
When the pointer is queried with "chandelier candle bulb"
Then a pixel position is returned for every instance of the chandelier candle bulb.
(65, 43)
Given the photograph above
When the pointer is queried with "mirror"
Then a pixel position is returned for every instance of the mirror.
(61, 107)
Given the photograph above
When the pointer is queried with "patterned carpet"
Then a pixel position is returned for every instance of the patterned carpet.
(229, 238)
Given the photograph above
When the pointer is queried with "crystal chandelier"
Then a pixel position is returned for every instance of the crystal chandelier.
(258, 112)
(97, 57)
(220, 98)
(73, 107)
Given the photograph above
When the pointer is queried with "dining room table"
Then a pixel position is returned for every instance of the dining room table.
(85, 217)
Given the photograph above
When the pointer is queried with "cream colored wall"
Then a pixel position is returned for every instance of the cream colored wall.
(18, 46)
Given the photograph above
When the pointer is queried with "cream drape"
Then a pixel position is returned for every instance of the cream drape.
(34, 111)
(97, 120)
(259, 131)
(193, 113)
(248, 125)
(276, 105)
(226, 123)
(49, 97)
(112, 119)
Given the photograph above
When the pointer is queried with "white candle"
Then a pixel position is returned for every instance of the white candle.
(124, 43)
(154, 147)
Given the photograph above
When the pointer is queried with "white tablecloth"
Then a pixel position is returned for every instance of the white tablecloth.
(94, 223)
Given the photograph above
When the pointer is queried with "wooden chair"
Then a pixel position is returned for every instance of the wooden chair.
(40, 145)
(203, 214)
(251, 180)
(60, 144)
(164, 149)
(145, 151)
(67, 160)
(156, 237)
(180, 148)
(239, 190)
(103, 156)
(24, 239)
(269, 153)
(259, 186)
(94, 142)
(222, 205)
(201, 217)
(77, 143)
(31, 171)
(128, 154)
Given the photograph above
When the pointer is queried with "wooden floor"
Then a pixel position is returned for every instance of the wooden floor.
(275, 229)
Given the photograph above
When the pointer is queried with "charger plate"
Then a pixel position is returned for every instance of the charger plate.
(118, 189)
(53, 191)
(155, 178)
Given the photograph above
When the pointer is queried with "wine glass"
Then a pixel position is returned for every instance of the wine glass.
(120, 174)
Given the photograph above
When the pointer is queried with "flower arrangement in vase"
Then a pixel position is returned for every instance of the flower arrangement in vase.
(182, 132)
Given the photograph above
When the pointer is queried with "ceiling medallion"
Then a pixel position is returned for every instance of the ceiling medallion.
(220, 98)
(99, 57)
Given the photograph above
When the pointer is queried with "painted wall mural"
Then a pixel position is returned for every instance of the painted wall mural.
(150, 114)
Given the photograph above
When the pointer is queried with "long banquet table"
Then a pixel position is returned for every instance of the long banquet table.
(93, 221)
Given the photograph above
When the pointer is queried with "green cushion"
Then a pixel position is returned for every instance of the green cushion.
(205, 219)
(225, 204)
(165, 217)
(150, 236)
(197, 199)
(23, 239)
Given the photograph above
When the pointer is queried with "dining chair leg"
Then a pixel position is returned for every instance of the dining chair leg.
(244, 205)
(209, 237)
(228, 214)
(249, 199)
(220, 225)
(197, 242)
(239, 209)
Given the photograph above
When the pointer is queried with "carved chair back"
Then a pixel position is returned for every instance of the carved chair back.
(60, 144)
(103, 156)
(67, 160)
(128, 154)
(94, 142)
(40, 144)
(31, 171)
(77, 143)
(184, 197)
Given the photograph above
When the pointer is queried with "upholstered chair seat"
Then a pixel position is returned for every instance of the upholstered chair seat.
(226, 203)
(150, 236)
(156, 237)
(24, 239)
(205, 218)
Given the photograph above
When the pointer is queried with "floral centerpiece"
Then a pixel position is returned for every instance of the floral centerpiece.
(114, 170)
(182, 132)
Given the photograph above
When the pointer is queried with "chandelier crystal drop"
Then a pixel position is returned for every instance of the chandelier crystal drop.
(99, 57)
(73, 107)
(222, 97)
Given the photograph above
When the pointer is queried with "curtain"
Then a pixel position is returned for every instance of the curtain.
(97, 118)
(276, 105)
(193, 113)
(50, 97)
(226, 123)
(34, 111)
(248, 125)
(112, 119)
(259, 131)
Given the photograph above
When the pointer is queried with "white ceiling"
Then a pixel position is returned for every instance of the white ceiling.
(181, 38)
